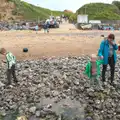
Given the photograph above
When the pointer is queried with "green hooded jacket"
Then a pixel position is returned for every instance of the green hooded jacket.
(88, 68)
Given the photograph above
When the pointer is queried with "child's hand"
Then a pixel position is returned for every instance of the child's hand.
(2, 64)
(101, 57)
(3, 61)
(81, 74)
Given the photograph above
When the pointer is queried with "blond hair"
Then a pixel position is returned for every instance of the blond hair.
(93, 56)
(2, 50)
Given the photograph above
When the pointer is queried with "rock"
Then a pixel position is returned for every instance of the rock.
(118, 117)
(91, 92)
(61, 82)
(76, 82)
(96, 117)
(108, 105)
(41, 85)
(66, 86)
(118, 110)
(3, 113)
(37, 113)
(42, 113)
(55, 93)
(34, 118)
(32, 109)
(47, 94)
(49, 106)
(88, 118)
(1, 84)
(13, 107)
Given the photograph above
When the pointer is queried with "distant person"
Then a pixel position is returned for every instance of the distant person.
(48, 25)
(36, 28)
(92, 71)
(59, 21)
(11, 61)
(46, 28)
(107, 52)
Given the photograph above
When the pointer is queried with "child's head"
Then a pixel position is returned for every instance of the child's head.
(93, 58)
(3, 51)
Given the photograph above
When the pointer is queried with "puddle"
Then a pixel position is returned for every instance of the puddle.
(66, 106)
(63, 104)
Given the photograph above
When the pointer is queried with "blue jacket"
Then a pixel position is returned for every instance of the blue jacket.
(104, 51)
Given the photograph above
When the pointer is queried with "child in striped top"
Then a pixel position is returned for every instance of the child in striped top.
(11, 61)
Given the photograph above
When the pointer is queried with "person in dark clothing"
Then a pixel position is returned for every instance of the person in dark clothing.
(107, 52)
(46, 28)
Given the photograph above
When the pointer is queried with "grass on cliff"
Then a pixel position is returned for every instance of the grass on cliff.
(100, 11)
(30, 12)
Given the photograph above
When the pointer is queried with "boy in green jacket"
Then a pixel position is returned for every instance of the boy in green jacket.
(93, 70)
(11, 61)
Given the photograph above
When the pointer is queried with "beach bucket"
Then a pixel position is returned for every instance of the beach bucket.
(25, 49)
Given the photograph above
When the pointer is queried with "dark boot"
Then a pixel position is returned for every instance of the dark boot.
(103, 72)
(9, 76)
(14, 74)
(112, 68)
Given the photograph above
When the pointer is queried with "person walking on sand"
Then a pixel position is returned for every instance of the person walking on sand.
(46, 28)
(11, 61)
(36, 28)
(107, 52)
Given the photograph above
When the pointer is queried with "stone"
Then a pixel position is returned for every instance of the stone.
(42, 113)
(118, 110)
(108, 105)
(37, 113)
(49, 106)
(3, 113)
(61, 82)
(88, 118)
(76, 82)
(1, 84)
(55, 93)
(66, 86)
(118, 117)
(47, 94)
(32, 109)
(96, 117)
(34, 118)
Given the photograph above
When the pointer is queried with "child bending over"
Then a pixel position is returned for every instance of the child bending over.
(11, 61)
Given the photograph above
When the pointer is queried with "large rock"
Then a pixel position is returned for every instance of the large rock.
(32, 109)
